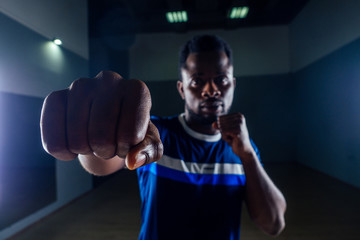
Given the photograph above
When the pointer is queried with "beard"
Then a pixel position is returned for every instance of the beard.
(205, 120)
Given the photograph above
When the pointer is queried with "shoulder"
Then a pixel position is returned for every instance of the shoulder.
(164, 120)
(165, 123)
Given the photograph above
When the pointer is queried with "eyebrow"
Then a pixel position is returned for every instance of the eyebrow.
(197, 74)
(202, 74)
(222, 73)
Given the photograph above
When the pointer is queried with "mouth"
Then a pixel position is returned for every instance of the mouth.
(212, 106)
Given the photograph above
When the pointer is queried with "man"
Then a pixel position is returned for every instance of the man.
(194, 176)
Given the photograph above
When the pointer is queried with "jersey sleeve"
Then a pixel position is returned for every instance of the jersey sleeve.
(256, 149)
(157, 122)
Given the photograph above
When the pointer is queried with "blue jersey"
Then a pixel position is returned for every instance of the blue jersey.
(195, 191)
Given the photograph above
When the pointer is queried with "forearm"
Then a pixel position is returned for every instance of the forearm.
(99, 166)
(265, 203)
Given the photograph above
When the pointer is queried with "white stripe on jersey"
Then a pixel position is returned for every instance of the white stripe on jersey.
(201, 168)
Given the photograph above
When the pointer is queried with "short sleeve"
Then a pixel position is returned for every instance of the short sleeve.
(256, 149)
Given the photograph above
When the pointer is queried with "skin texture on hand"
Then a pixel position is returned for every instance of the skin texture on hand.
(234, 131)
(147, 151)
(103, 117)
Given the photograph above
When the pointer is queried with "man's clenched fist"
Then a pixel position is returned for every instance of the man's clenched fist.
(234, 131)
(102, 117)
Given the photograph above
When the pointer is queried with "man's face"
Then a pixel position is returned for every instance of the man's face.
(207, 85)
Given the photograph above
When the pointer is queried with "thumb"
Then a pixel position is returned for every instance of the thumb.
(148, 151)
(215, 125)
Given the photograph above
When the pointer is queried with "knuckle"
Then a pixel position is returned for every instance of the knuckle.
(239, 115)
(122, 149)
(101, 74)
(78, 83)
(55, 96)
(109, 76)
(104, 153)
(101, 142)
(82, 86)
(127, 142)
(59, 152)
(79, 148)
(103, 148)
(51, 148)
(132, 139)
(50, 97)
(139, 86)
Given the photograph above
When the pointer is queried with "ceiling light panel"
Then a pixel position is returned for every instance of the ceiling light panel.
(177, 17)
(238, 12)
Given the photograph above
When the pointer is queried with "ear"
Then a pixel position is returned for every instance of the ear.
(234, 81)
(181, 89)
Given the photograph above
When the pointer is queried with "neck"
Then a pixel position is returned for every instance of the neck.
(200, 124)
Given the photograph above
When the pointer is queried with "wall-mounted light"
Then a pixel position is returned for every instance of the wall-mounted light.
(238, 12)
(176, 17)
(57, 41)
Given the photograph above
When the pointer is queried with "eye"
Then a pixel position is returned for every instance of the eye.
(221, 80)
(195, 82)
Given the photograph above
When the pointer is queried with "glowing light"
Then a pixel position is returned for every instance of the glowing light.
(233, 13)
(53, 56)
(244, 12)
(57, 41)
(176, 17)
(170, 17)
(238, 12)
(184, 15)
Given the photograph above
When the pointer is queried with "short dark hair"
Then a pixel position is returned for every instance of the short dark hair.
(203, 43)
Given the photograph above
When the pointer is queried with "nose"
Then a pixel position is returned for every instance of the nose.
(210, 90)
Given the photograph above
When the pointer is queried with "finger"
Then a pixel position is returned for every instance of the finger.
(148, 151)
(134, 116)
(235, 117)
(104, 114)
(103, 120)
(53, 126)
(215, 125)
(228, 128)
(78, 110)
(108, 78)
(231, 122)
(234, 128)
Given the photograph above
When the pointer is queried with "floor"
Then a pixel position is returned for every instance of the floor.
(319, 207)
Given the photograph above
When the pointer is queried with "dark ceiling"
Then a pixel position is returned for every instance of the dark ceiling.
(148, 16)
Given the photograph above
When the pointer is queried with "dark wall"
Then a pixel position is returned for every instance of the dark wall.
(328, 98)
(268, 103)
(31, 66)
(27, 173)
(166, 100)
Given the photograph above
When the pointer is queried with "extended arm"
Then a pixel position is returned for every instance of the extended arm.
(265, 203)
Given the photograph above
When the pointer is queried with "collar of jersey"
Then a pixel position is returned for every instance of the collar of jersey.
(197, 135)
